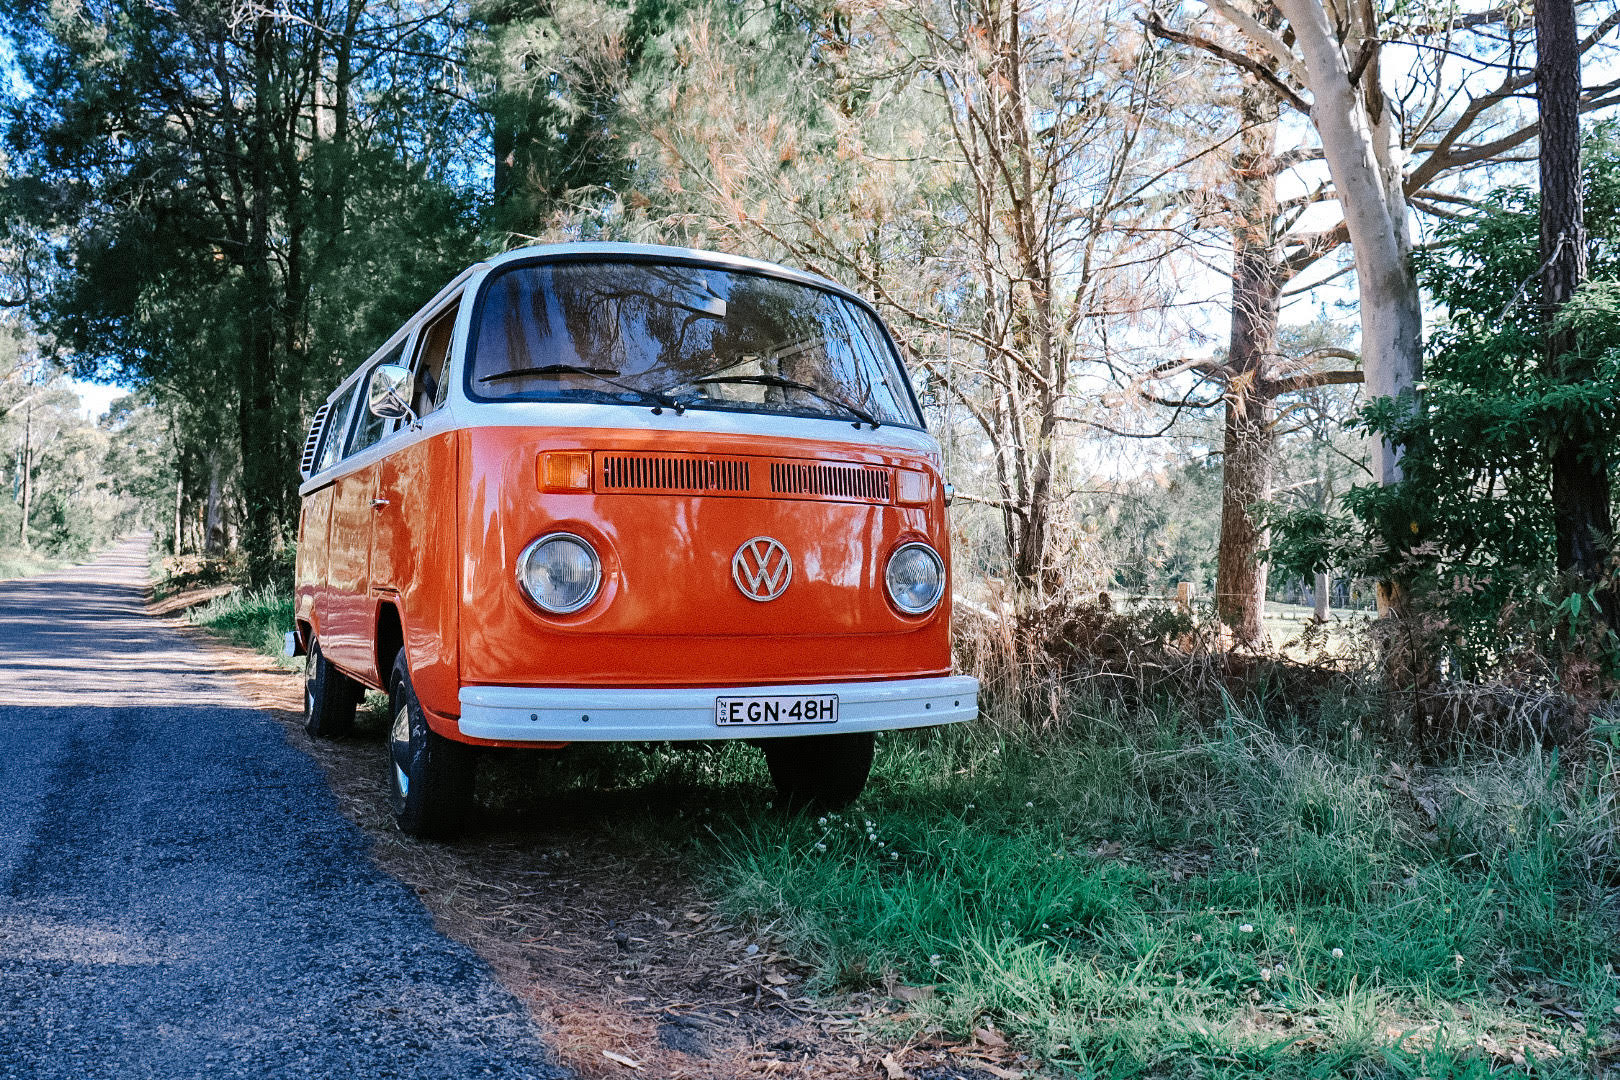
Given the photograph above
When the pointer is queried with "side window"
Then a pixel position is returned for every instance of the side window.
(371, 427)
(432, 357)
(337, 429)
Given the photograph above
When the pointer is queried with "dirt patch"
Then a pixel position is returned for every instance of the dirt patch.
(612, 946)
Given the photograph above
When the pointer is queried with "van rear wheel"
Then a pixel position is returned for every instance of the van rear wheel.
(330, 697)
(823, 771)
(430, 777)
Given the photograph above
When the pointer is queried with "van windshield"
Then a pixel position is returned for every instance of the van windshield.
(692, 337)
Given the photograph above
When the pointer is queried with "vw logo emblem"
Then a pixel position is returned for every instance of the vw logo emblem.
(762, 568)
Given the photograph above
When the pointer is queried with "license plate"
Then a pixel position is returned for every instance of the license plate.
(760, 711)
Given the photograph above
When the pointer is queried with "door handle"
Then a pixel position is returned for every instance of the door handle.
(378, 504)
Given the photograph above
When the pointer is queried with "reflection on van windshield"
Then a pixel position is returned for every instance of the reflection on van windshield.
(689, 337)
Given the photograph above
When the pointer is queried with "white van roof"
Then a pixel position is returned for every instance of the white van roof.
(717, 259)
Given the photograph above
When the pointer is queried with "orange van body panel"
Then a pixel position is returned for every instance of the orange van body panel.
(350, 611)
(309, 576)
(669, 613)
(414, 563)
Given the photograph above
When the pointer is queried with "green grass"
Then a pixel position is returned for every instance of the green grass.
(1133, 899)
(17, 563)
(256, 619)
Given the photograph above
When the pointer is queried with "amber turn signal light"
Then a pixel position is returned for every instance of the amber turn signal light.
(914, 488)
(563, 471)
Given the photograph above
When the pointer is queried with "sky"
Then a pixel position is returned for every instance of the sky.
(94, 398)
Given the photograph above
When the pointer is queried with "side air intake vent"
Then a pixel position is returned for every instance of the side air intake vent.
(830, 481)
(306, 464)
(660, 472)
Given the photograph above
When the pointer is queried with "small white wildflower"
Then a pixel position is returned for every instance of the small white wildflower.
(1030, 805)
(1265, 973)
(821, 847)
(1338, 954)
(1198, 939)
(970, 806)
(1254, 852)
(1246, 928)
(935, 959)
(894, 854)
(821, 821)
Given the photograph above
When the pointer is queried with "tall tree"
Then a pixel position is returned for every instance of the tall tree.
(1385, 154)
(1580, 465)
(968, 164)
(201, 166)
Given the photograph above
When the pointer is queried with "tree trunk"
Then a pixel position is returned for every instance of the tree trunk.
(1580, 475)
(1323, 584)
(179, 505)
(1240, 574)
(27, 475)
(263, 468)
(1354, 123)
(213, 527)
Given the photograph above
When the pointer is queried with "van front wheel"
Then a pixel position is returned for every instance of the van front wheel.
(430, 777)
(824, 771)
(330, 697)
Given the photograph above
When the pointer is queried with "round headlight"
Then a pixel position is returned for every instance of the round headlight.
(560, 572)
(916, 578)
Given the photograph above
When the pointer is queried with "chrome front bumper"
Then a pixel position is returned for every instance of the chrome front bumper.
(544, 714)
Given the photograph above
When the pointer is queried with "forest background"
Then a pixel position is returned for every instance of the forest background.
(1111, 239)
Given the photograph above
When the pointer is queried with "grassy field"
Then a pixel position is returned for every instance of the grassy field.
(1129, 898)
(1129, 891)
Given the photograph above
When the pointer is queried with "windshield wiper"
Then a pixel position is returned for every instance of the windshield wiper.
(860, 414)
(660, 402)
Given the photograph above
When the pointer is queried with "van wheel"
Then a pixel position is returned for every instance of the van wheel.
(430, 778)
(824, 771)
(330, 697)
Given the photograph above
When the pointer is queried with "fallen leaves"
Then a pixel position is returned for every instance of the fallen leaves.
(989, 1036)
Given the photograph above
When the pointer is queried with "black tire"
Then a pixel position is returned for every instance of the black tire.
(330, 697)
(822, 771)
(430, 778)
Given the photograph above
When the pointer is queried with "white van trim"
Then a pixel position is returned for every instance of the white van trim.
(682, 714)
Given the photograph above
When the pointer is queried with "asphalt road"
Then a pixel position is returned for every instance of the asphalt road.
(179, 896)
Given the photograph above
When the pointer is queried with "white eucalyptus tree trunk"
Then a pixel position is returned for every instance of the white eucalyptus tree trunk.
(1356, 126)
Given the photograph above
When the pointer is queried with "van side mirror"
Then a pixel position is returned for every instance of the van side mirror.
(388, 394)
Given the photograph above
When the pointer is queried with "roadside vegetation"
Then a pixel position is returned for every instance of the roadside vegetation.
(17, 563)
(1264, 869)
(253, 618)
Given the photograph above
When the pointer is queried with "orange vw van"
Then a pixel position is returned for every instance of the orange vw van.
(607, 492)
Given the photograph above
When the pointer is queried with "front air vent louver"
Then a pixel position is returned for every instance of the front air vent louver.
(661, 472)
(830, 481)
(306, 464)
